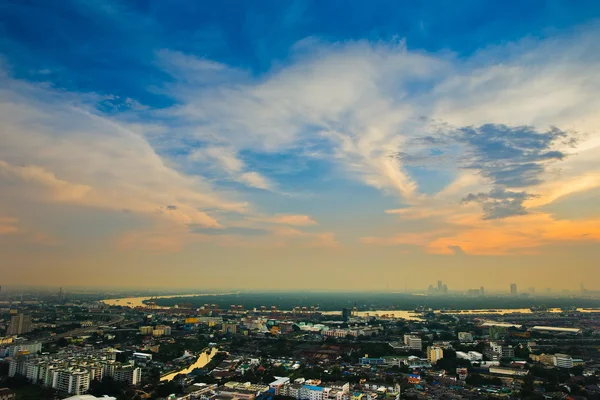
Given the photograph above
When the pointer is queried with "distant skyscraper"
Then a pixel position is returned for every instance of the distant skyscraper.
(345, 314)
(19, 324)
(439, 287)
(513, 289)
(482, 291)
(355, 310)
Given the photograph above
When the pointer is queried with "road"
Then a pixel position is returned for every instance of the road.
(117, 319)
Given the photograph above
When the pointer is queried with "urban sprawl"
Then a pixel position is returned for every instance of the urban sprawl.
(57, 346)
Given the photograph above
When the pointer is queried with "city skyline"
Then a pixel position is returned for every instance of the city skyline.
(301, 145)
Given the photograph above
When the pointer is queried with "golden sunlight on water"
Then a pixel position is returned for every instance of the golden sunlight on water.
(202, 360)
(408, 315)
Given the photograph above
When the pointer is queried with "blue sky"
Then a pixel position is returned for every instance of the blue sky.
(299, 133)
(109, 47)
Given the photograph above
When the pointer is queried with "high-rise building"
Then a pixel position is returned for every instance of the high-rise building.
(129, 374)
(19, 324)
(482, 291)
(441, 288)
(345, 314)
(161, 330)
(513, 289)
(434, 353)
(71, 380)
(146, 330)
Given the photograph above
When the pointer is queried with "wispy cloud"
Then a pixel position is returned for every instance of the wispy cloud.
(60, 190)
(233, 167)
(498, 124)
(293, 219)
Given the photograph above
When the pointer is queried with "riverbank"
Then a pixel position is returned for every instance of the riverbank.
(133, 302)
(405, 314)
(201, 361)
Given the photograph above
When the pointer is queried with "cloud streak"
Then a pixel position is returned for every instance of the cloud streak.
(494, 130)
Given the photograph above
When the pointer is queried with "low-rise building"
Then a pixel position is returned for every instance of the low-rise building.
(7, 394)
(465, 336)
(278, 384)
(30, 348)
(413, 342)
(556, 329)
(546, 359)
(475, 356)
(563, 361)
(229, 328)
(508, 371)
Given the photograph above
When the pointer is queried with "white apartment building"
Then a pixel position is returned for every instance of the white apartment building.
(309, 392)
(32, 348)
(414, 342)
(72, 372)
(71, 380)
(563, 361)
(471, 355)
(128, 374)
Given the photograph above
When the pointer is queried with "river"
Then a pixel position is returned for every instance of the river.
(139, 301)
(202, 360)
(408, 315)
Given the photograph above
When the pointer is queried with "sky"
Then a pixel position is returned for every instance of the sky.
(327, 145)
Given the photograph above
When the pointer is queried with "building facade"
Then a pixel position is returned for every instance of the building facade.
(434, 354)
(19, 324)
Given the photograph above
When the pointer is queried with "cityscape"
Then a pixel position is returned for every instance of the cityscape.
(299, 200)
(84, 345)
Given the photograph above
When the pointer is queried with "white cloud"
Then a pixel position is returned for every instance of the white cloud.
(293, 219)
(53, 140)
(233, 168)
(359, 104)
(61, 190)
(364, 102)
